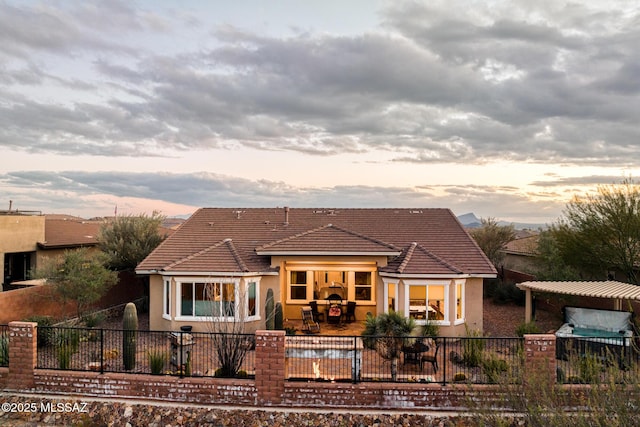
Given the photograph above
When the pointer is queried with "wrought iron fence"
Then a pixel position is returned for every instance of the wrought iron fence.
(179, 353)
(597, 359)
(478, 360)
(4, 345)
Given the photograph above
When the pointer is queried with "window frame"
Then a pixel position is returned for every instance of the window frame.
(427, 283)
(166, 299)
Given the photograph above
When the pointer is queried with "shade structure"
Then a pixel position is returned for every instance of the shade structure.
(598, 289)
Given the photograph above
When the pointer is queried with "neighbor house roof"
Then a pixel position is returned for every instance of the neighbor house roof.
(441, 245)
(599, 289)
(69, 233)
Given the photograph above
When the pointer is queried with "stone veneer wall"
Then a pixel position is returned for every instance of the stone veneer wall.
(268, 389)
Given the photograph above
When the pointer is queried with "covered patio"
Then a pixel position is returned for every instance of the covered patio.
(610, 289)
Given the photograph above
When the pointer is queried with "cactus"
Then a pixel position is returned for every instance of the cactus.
(129, 336)
(278, 318)
(269, 310)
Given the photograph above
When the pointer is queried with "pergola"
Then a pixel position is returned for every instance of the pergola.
(618, 291)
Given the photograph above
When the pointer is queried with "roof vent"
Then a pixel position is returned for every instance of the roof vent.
(286, 215)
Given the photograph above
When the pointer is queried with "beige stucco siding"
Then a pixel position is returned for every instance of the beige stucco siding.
(20, 233)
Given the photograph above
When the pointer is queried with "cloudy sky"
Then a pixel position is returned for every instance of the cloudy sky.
(504, 109)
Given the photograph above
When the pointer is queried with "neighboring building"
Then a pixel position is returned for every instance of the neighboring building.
(19, 233)
(520, 258)
(417, 261)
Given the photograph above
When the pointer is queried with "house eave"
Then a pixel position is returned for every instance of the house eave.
(327, 253)
(438, 276)
(209, 273)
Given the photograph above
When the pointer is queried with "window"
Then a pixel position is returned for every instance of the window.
(391, 295)
(298, 285)
(363, 285)
(427, 301)
(166, 310)
(199, 299)
(459, 302)
(252, 300)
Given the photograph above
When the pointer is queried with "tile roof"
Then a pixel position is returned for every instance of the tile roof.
(67, 233)
(441, 243)
(328, 239)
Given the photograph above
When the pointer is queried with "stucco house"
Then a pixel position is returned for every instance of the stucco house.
(417, 261)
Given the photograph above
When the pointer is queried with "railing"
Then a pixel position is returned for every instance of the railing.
(177, 353)
(602, 360)
(4, 346)
(400, 359)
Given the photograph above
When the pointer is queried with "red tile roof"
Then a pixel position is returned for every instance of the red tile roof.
(68, 233)
(441, 243)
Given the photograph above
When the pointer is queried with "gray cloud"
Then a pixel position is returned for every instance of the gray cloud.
(63, 189)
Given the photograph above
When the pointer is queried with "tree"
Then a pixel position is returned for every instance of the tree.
(388, 332)
(492, 237)
(601, 232)
(550, 264)
(78, 276)
(129, 239)
(226, 308)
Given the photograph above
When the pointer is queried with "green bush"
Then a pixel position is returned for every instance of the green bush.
(92, 320)
(493, 367)
(472, 348)
(157, 360)
(527, 328)
(45, 335)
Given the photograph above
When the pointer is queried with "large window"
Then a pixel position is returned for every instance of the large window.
(427, 301)
(199, 299)
(308, 281)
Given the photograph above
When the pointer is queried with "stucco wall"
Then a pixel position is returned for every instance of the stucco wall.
(157, 322)
(20, 233)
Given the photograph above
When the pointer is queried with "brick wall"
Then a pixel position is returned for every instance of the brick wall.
(268, 389)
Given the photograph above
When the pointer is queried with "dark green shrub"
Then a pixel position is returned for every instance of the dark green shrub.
(493, 367)
(270, 310)
(157, 360)
(472, 348)
(45, 335)
(527, 328)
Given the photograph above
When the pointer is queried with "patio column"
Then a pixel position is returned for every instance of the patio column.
(528, 306)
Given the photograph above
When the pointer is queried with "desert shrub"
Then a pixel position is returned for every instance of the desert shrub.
(45, 335)
(472, 348)
(493, 367)
(92, 320)
(527, 328)
(157, 360)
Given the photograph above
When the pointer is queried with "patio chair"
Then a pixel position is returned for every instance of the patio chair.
(309, 325)
(431, 357)
(314, 310)
(350, 314)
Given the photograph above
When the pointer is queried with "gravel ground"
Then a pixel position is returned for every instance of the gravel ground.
(501, 320)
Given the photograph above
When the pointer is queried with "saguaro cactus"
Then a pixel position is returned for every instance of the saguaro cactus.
(129, 336)
(278, 317)
(269, 310)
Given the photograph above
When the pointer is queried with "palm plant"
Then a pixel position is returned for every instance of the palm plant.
(387, 333)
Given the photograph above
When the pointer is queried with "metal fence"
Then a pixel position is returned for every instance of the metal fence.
(4, 346)
(597, 360)
(178, 353)
(443, 360)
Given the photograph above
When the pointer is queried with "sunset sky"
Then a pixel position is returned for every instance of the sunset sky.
(504, 109)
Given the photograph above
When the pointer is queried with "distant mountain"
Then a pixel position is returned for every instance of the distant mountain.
(470, 220)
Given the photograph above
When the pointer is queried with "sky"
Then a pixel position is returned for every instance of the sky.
(505, 109)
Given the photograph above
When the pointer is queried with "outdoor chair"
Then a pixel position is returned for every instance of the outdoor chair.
(314, 310)
(309, 325)
(431, 357)
(350, 314)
